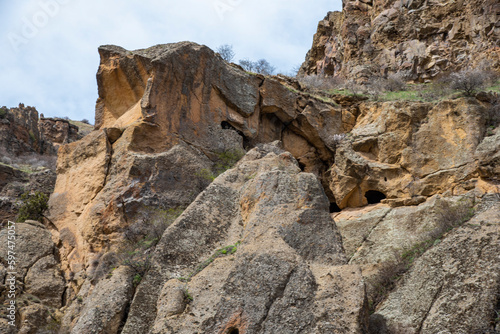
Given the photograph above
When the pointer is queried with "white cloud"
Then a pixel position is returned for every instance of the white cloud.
(56, 60)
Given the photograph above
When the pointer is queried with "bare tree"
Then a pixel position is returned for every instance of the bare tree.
(247, 65)
(226, 52)
(262, 66)
(468, 81)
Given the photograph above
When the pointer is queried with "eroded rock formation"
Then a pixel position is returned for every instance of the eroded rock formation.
(421, 39)
(261, 249)
(58, 131)
(165, 114)
(410, 151)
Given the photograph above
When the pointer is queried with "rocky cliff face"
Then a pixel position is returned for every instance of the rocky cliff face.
(23, 132)
(164, 116)
(342, 215)
(58, 131)
(419, 38)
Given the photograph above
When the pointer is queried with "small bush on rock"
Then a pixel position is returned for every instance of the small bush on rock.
(225, 160)
(321, 82)
(33, 206)
(3, 112)
(141, 239)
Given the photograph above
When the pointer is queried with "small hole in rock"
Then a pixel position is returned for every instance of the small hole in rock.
(226, 126)
(302, 166)
(374, 196)
(234, 331)
(385, 179)
(334, 207)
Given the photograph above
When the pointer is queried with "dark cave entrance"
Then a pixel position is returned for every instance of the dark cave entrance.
(226, 126)
(233, 331)
(334, 207)
(246, 142)
(374, 196)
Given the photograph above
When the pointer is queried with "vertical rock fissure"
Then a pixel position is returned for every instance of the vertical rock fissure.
(365, 239)
(436, 296)
(277, 295)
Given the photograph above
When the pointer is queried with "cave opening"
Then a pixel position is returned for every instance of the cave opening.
(334, 207)
(227, 126)
(374, 196)
(246, 142)
(233, 331)
(302, 166)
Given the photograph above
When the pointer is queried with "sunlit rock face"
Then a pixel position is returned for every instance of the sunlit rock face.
(420, 39)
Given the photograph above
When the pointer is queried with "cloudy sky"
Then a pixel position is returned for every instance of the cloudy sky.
(49, 47)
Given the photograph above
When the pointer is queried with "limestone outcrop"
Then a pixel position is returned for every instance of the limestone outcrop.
(453, 288)
(420, 39)
(19, 131)
(281, 270)
(405, 152)
(165, 116)
(58, 131)
(300, 235)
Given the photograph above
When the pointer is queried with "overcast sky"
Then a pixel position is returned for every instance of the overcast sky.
(49, 47)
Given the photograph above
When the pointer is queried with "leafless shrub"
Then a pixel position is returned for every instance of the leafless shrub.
(469, 81)
(395, 82)
(321, 82)
(494, 113)
(226, 52)
(435, 91)
(31, 160)
(336, 139)
(354, 88)
(379, 285)
(261, 66)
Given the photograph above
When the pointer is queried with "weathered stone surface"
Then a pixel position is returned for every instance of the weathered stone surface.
(410, 151)
(419, 38)
(33, 242)
(164, 117)
(452, 288)
(19, 133)
(36, 318)
(103, 310)
(58, 131)
(44, 281)
(167, 114)
(380, 234)
(288, 245)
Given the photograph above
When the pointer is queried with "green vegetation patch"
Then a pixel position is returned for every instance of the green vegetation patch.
(225, 160)
(33, 206)
(225, 251)
(3, 112)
